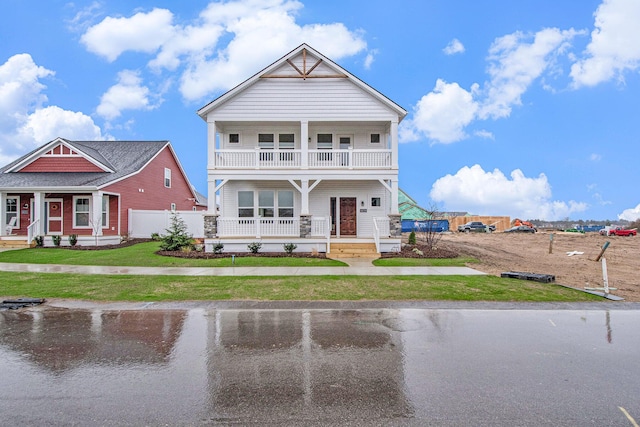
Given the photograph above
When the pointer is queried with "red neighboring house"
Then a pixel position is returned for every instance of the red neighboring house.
(87, 187)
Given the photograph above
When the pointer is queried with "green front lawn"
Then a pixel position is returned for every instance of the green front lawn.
(297, 288)
(143, 254)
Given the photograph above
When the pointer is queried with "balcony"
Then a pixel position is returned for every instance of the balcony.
(295, 159)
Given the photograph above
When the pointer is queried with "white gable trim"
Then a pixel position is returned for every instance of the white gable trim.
(42, 152)
(266, 72)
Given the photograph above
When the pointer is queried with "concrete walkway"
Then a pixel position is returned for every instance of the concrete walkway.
(356, 267)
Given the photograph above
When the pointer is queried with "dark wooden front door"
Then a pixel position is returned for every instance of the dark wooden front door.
(348, 225)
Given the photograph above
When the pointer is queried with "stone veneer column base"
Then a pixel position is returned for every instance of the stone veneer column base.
(395, 225)
(305, 226)
(210, 226)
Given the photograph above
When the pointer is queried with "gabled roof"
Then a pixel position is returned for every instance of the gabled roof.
(120, 159)
(409, 209)
(302, 50)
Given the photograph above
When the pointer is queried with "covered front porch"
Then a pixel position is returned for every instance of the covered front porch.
(59, 218)
(308, 233)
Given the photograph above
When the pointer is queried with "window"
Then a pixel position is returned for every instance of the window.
(266, 142)
(234, 138)
(285, 204)
(173, 207)
(167, 177)
(81, 212)
(105, 211)
(325, 141)
(266, 204)
(286, 141)
(375, 138)
(11, 210)
(245, 204)
(375, 202)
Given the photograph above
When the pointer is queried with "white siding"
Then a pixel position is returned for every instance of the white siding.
(309, 99)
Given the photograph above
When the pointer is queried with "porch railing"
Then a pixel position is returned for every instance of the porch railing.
(259, 227)
(321, 227)
(32, 229)
(316, 159)
(381, 229)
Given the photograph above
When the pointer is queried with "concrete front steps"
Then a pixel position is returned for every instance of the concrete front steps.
(14, 242)
(353, 250)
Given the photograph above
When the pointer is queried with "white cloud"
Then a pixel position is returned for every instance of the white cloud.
(631, 214)
(127, 94)
(454, 46)
(371, 56)
(442, 114)
(614, 46)
(143, 32)
(259, 31)
(595, 157)
(515, 62)
(24, 122)
(477, 191)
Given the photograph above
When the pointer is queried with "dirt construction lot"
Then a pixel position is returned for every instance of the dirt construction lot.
(501, 252)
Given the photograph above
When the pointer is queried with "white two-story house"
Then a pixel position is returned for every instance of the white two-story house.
(306, 153)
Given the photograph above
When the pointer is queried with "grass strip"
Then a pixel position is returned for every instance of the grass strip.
(301, 288)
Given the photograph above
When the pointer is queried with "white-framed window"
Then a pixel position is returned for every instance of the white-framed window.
(173, 207)
(324, 141)
(374, 138)
(81, 212)
(105, 211)
(376, 202)
(285, 204)
(266, 141)
(286, 141)
(234, 138)
(12, 209)
(167, 177)
(266, 204)
(245, 204)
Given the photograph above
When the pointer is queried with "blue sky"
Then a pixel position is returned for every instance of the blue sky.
(525, 108)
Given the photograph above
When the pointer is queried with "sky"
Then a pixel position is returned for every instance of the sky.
(525, 108)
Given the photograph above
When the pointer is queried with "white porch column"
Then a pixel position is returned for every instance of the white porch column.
(38, 213)
(304, 144)
(304, 186)
(394, 148)
(212, 138)
(211, 196)
(96, 214)
(394, 196)
(3, 214)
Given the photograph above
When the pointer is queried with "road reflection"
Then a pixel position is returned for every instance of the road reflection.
(243, 366)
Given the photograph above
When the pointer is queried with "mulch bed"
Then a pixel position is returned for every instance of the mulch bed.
(210, 255)
(408, 251)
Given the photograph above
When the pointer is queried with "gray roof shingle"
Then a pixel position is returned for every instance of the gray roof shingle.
(123, 157)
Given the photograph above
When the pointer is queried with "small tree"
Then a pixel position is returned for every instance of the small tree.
(431, 234)
(412, 238)
(177, 236)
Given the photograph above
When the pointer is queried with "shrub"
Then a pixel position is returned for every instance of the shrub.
(156, 237)
(73, 239)
(39, 240)
(412, 238)
(289, 247)
(177, 236)
(218, 248)
(56, 240)
(254, 247)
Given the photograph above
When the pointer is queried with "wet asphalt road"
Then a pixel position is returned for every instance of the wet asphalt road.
(197, 365)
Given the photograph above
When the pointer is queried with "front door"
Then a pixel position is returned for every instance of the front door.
(53, 216)
(348, 214)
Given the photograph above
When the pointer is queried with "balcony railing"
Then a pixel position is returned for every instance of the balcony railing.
(316, 159)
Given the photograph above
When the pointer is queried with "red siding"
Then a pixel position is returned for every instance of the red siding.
(155, 195)
(61, 164)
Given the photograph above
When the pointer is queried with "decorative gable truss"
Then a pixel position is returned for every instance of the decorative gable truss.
(60, 156)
